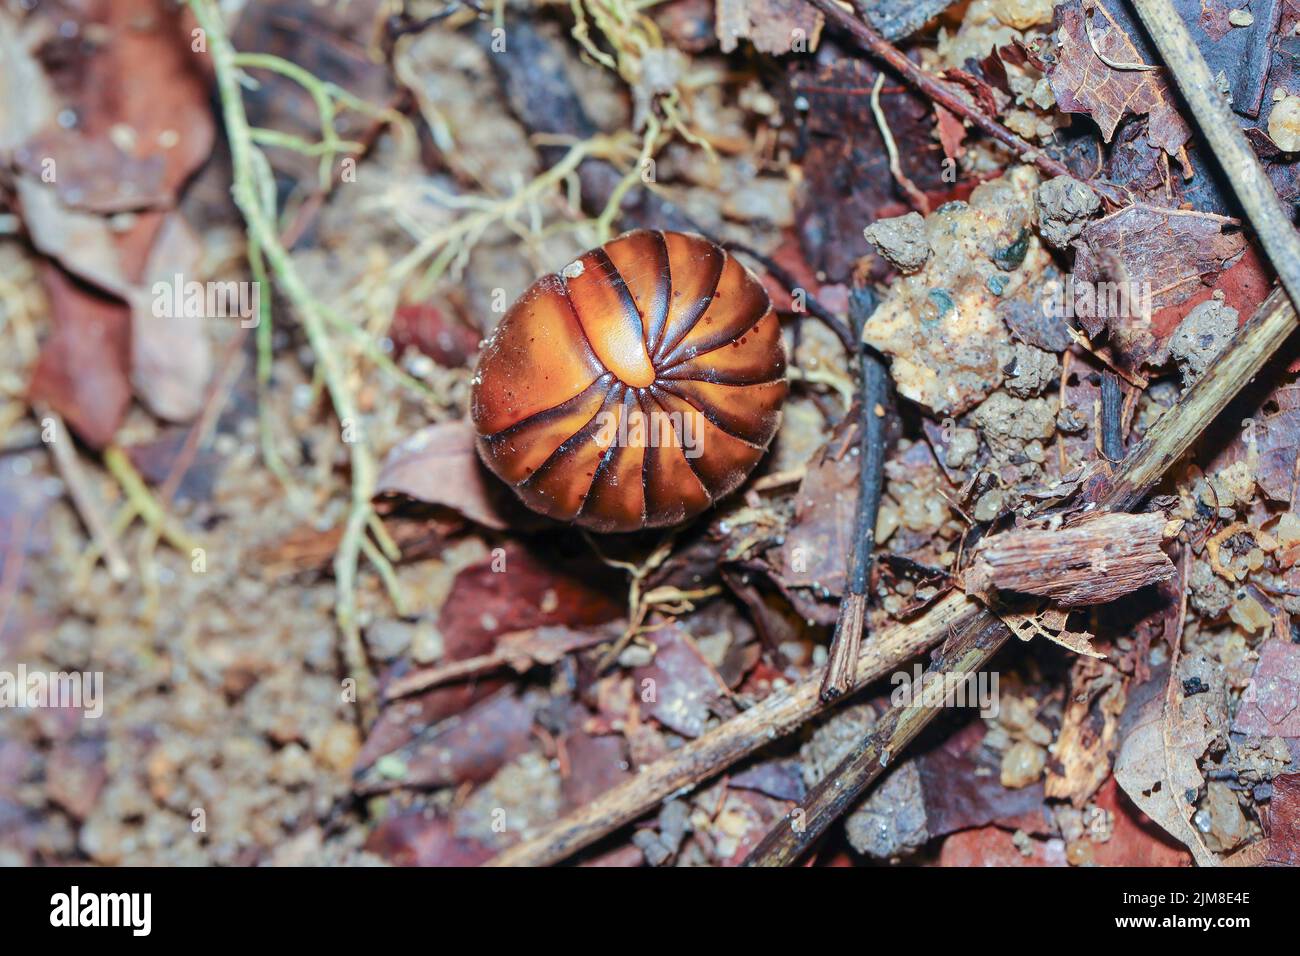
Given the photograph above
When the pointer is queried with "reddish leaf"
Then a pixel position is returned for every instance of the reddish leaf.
(683, 684)
(1270, 705)
(427, 329)
(418, 839)
(469, 747)
(82, 369)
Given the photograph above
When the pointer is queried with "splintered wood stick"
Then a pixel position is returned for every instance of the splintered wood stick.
(778, 714)
(1097, 560)
(1168, 439)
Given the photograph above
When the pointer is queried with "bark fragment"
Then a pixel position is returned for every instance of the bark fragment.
(1093, 562)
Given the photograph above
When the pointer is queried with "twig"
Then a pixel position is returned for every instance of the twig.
(69, 468)
(778, 714)
(946, 95)
(851, 622)
(1166, 441)
(1112, 425)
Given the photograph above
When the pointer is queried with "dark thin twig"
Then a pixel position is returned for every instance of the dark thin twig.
(1112, 426)
(850, 625)
(943, 93)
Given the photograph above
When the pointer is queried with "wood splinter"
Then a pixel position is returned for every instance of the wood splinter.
(1096, 560)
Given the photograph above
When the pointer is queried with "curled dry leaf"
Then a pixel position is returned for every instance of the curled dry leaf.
(1049, 623)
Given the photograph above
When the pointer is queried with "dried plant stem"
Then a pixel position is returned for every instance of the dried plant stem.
(262, 230)
(74, 477)
(775, 716)
(1169, 438)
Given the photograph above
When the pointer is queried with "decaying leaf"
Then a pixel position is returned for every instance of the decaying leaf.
(1085, 746)
(1141, 259)
(1158, 755)
(1049, 623)
(1084, 83)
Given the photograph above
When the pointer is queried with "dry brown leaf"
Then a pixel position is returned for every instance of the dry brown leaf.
(171, 357)
(1157, 762)
(439, 465)
(1084, 83)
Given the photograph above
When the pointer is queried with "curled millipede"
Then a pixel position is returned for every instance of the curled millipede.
(636, 387)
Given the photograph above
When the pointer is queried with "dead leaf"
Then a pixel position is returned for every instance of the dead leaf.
(439, 465)
(80, 241)
(816, 548)
(468, 747)
(1159, 750)
(1049, 623)
(1081, 759)
(1084, 83)
(171, 357)
(82, 368)
(1141, 259)
(1270, 704)
(27, 102)
(679, 686)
